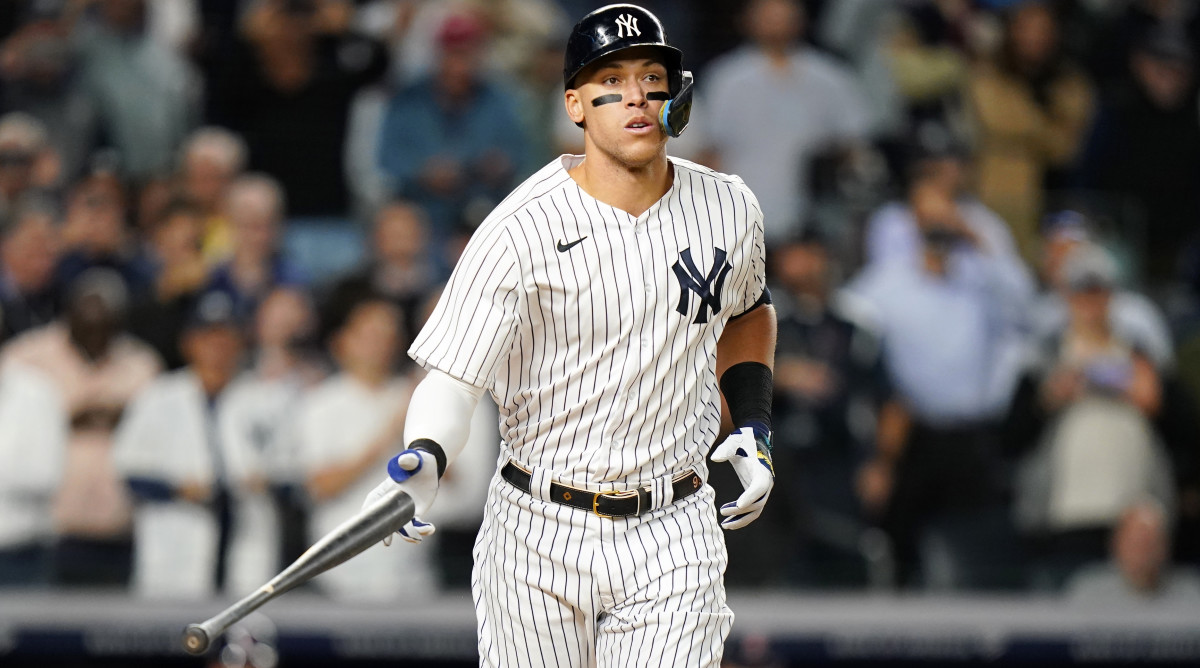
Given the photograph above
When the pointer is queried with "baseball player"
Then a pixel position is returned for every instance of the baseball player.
(608, 305)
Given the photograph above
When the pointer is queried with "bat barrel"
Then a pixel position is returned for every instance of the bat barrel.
(356, 534)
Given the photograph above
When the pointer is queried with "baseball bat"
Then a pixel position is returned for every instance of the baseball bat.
(370, 526)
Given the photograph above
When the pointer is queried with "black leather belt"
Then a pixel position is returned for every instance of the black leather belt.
(605, 504)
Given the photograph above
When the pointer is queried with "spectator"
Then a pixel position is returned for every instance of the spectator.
(180, 275)
(39, 75)
(1031, 110)
(151, 199)
(541, 108)
(451, 141)
(28, 163)
(216, 36)
(1133, 317)
(210, 160)
(348, 426)
(258, 435)
(29, 248)
(1127, 23)
(1146, 148)
(1088, 408)
(403, 269)
(940, 493)
(298, 61)
(33, 441)
(929, 50)
(893, 232)
(168, 452)
(773, 106)
(1140, 569)
(95, 234)
(96, 368)
(517, 27)
(830, 390)
(256, 206)
(173, 23)
(148, 96)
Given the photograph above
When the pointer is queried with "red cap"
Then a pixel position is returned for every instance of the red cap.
(461, 30)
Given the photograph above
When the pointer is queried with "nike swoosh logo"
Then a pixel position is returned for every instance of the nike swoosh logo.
(562, 248)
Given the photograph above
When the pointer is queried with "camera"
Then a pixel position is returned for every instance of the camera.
(942, 238)
(1109, 375)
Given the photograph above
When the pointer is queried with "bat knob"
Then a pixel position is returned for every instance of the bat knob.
(195, 639)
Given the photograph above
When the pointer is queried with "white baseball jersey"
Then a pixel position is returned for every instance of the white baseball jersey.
(596, 330)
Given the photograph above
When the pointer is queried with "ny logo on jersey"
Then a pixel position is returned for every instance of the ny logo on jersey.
(627, 26)
(707, 287)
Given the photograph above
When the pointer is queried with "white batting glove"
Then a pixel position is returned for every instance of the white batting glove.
(414, 471)
(752, 463)
(414, 532)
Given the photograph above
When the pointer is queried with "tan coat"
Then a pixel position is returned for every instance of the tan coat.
(1017, 140)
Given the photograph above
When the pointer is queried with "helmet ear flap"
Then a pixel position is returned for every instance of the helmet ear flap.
(674, 115)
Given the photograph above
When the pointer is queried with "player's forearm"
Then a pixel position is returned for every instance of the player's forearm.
(749, 338)
(439, 416)
(745, 360)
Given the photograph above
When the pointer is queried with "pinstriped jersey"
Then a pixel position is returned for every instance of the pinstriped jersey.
(595, 330)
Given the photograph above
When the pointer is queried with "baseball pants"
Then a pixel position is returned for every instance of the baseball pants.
(558, 586)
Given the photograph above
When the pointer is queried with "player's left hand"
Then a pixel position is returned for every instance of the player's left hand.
(415, 472)
(751, 460)
(414, 532)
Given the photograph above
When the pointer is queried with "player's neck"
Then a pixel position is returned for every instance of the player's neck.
(633, 190)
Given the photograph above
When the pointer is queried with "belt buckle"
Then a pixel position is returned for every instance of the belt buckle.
(616, 495)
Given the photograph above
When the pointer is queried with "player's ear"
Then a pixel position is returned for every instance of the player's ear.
(574, 104)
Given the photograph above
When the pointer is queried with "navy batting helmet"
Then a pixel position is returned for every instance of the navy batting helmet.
(617, 27)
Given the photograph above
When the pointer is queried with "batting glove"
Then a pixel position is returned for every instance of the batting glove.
(751, 460)
(414, 471)
(414, 532)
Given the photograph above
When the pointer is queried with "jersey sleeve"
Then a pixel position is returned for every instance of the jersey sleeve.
(754, 286)
(472, 327)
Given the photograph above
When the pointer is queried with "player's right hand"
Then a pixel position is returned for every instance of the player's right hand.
(415, 472)
(751, 459)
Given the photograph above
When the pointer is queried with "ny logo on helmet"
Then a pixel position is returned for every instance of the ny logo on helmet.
(707, 287)
(627, 26)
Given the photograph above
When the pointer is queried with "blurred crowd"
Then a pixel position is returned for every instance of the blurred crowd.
(221, 222)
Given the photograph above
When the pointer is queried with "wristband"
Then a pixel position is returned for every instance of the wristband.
(747, 389)
(426, 445)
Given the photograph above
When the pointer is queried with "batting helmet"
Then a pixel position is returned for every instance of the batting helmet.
(617, 27)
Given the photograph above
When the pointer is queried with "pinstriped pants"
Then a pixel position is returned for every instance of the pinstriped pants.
(557, 586)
